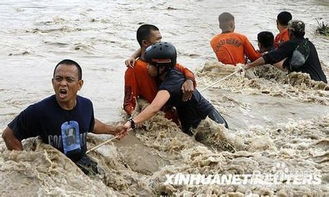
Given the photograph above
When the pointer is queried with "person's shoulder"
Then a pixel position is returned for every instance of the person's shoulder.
(238, 35)
(172, 80)
(46, 101)
(173, 75)
(309, 42)
(215, 38)
(84, 100)
(41, 105)
(179, 65)
(140, 63)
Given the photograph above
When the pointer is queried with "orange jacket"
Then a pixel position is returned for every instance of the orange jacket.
(232, 48)
(281, 37)
(138, 83)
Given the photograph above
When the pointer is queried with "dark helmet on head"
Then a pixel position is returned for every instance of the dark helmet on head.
(161, 53)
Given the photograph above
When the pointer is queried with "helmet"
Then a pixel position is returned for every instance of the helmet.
(161, 53)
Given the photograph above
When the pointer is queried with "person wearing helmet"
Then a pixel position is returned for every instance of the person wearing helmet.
(161, 58)
(138, 84)
(296, 55)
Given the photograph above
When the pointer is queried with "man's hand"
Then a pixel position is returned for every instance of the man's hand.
(240, 69)
(187, 89)
(130, 62)
(119, 131)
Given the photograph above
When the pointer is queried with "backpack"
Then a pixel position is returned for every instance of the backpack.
(300, 55)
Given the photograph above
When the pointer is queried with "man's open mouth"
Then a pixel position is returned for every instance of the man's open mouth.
(62, 93)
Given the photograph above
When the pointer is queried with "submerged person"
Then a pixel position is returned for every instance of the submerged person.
(139, 84)
(282, 21)
(296, 55)
(161, 58)
(265, 41)
(61, 120)
(230, 47)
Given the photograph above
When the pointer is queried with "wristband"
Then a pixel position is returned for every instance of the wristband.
(132, 123)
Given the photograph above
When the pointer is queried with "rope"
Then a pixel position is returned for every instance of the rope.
(101, 144)
(222, 79)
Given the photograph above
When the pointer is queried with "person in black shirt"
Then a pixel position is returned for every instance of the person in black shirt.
(298, 54)
(61, 120)
(162, 59)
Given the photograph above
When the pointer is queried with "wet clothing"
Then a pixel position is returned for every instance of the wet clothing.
(191, 112)
(65, 130)
(88, 166)
(233, 48)
(281, 38)
(312, 65)
(138, 83)
(215, 116)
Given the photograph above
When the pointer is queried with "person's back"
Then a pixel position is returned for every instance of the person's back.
(282, 21)
(190, 112)
(229, 47)
(312, 65)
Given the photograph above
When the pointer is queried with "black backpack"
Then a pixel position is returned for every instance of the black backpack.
(300, 55)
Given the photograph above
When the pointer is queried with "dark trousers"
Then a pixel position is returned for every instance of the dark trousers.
(215, 116)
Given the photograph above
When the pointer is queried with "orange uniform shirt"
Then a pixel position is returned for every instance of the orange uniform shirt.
(233, 48)
(281, 37)
(138, 83)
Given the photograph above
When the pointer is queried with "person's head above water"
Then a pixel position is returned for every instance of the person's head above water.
(67, 81)
(265, 41)
(226, 22)
(283, 19)
(161, 57)
(147, 35)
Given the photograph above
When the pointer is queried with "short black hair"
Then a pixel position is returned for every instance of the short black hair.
(144, 31)
(266, 39)
(70, 62)
(284, 17)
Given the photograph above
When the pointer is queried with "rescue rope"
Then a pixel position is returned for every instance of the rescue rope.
(222, 79)
(101, 144)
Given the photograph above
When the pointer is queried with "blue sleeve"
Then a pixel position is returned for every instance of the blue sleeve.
(26, 124)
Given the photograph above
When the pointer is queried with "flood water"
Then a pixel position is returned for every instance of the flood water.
(100, 35)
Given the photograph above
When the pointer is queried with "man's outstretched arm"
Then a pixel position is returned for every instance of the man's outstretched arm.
(102, 128)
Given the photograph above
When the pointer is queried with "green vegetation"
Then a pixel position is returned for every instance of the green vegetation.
(323, 28)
